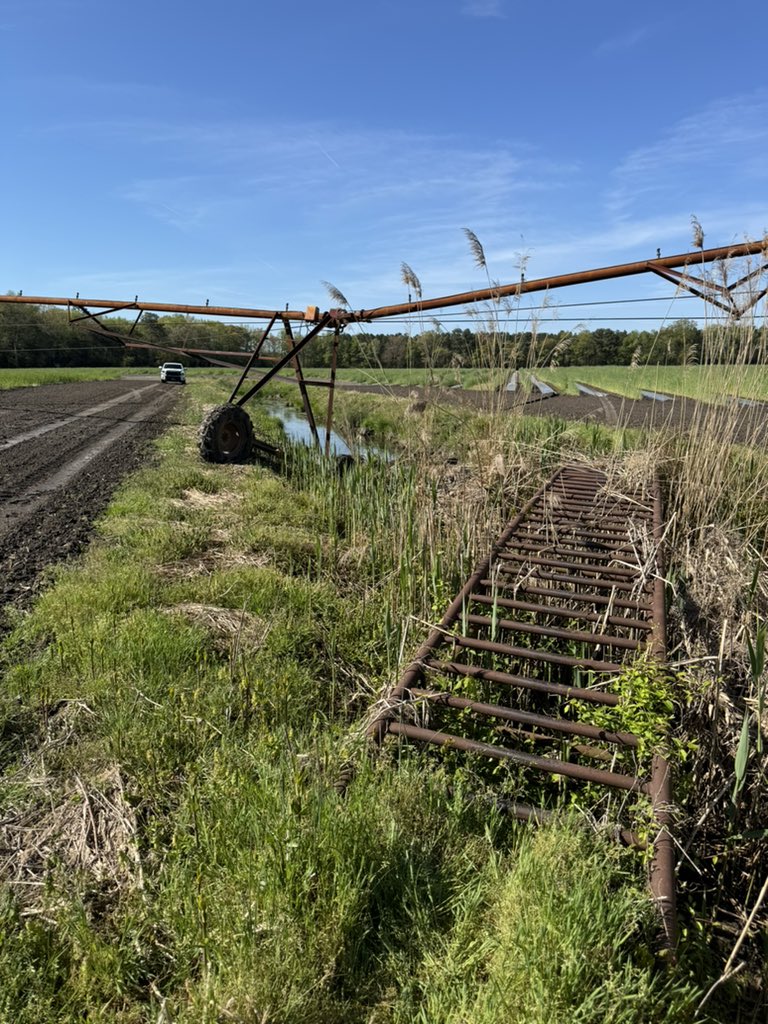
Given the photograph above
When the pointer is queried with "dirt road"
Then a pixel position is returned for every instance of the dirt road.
(63, 449)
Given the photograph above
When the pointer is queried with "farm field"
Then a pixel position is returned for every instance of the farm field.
(412, 377)
(707, 383)
(63, 448)
(34, 377)
(178, 706)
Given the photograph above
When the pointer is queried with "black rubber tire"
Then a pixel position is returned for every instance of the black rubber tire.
(226, 435)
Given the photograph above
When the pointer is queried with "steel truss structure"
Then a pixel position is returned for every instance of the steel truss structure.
(702, 273)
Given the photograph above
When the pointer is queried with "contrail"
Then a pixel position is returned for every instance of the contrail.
(327, 155)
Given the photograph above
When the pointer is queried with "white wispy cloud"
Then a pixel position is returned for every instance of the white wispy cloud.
(484, 8)
(316, 201)
(624, 40)
(700, 159)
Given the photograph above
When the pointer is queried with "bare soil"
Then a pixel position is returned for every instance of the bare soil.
(86, 437)
(743, 425)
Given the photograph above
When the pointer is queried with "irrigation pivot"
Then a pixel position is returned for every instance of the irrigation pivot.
(227, 434)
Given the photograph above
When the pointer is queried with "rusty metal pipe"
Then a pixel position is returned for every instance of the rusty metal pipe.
(284, 360)
(689, 259)
(569, 595)
(532, 654)
(253, 358)
(562, 613)
(552, 765)
(458, 668)
(662, 874)
(577, 636)
(117, 305)
(593, 732)
(563, 281)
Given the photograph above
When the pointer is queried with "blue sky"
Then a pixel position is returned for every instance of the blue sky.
(245, 152)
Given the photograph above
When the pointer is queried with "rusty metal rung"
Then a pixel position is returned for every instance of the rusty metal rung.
(570, 595)
(577, 636)
(534, 654)
(626, 739)
(555, 563)
(580, 581)
(552, 765)
(455, 668)
(560, 612)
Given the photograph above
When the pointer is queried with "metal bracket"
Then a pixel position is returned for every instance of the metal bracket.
(720, 295)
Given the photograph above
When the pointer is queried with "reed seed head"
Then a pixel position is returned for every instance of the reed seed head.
(698, 232)
(475, 247)
(410, 280)
(335, 294)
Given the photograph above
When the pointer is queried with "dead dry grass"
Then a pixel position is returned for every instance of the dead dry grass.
(79, 829)
(197, 499)
(229, 628)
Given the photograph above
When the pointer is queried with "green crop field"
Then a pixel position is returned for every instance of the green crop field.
(709, 383)
(33, 377)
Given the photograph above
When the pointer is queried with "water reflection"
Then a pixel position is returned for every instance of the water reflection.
(297, 429)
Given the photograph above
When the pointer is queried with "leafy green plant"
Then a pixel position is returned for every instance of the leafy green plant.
(756, 648)
(649, 693)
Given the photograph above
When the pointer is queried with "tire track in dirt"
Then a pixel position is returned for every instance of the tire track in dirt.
(53, 485)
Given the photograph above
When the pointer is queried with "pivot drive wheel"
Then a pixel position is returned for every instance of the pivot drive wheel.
(226, 434)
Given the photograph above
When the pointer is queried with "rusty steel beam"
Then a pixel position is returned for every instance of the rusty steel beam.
(206, 355)
(662, 867)
(283, 361)
(298, 371)
(341, 317)
(253, 357)
(184, 351)
(311, 315)
(688, 259)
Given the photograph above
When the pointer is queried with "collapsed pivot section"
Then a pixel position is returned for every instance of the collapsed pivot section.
(525, 667)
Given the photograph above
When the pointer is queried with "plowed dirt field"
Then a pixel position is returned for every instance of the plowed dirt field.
(63, 450)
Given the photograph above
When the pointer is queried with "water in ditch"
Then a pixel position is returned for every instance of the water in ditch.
(297, 430)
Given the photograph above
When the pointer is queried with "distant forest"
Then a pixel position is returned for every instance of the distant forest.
(43, 336)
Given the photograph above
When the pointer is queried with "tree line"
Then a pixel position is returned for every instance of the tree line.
(39, 336)
(44, 336)
(682, 342)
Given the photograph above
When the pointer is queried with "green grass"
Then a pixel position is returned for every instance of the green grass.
(34, 377)
(65, 375)
(709, 383)
(467, 378)
(177, 707)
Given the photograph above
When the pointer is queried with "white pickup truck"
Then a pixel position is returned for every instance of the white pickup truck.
(172, 372)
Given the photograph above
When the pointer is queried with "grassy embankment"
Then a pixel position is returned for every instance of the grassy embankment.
(177, 707)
